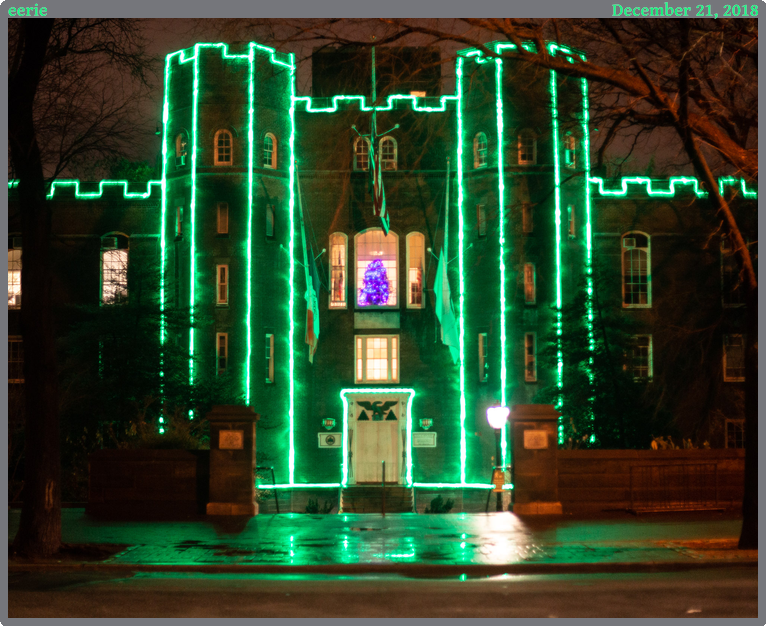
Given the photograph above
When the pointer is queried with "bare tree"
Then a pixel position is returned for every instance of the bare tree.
(74, 83)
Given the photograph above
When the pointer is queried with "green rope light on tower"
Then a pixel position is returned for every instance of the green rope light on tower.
(670, 192)
(557, 220)
(501, 206)
(732, 181)
(291, 312)
(344, 399)
(361, 101)
(250, 140)
(463, 447)
(97, 195)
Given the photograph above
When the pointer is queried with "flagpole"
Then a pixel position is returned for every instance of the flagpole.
(373, 128)
(446, 220)
(303, 239)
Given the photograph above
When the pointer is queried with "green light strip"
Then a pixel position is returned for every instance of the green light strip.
(501, 204)
(454, 485)
(376, 390)
(249, 256)
(291, 312)
(95, 195)
(730, 180)
(163, 251)
(673, 182)
(300, 486)
(461, 260)
(557, 196)
(363, 106)
(193, 251)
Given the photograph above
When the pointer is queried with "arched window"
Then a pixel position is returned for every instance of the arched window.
(416, 258)
(362, 154)
(14, 272)
(338, 256)
(570, 145)
(270, 151)
(222, 145)
(480, 150)
(636, 271)
(376, 268)
(527, 147)
(114, 268)
(388, 153)
(181, 143)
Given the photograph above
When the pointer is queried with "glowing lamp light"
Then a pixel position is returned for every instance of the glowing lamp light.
(497, 416)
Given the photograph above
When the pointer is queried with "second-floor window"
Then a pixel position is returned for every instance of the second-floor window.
(270, 151)
(269, 357)
(388, 153)
(483, 358)
(416, 256)
(527, 147)
(222, 280)
(361, 154)
(479, 150)
(14, 272)
(569, 150)
(530, 287)
(222, 145)
(376, 268)
(338, 251)
(377, 359)
(639, 358)
(181, 149)
(530, 357)
(222, 352)
(223, 218)
(636, 271)
(114, 269)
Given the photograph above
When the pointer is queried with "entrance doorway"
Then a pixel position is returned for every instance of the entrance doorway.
(376, 433)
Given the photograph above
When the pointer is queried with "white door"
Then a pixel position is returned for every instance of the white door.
(377, 426)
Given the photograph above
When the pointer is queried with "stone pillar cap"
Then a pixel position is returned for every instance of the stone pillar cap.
(232, 413)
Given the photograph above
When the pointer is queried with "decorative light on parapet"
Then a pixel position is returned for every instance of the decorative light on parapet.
(497, 416)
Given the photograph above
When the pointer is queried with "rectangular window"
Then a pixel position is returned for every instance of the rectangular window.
(179, 221)
(114, 275)
(483, 358)
(526, 217)
(732, 291)
(481, 219)
(733, 358)
(270, 217)
(338, 271)
(223, 218)
(570, 145)
(735, 433)
(530, 288)
(15, 360)
(377, 359)
(14, 276)
(416, 255)
(373, 250)
(571, 216)
(530, 357)
(222, 275)
(639, 358)
(269, 357)
(222, 351)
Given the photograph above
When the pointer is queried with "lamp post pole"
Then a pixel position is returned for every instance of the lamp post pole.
(498, 433)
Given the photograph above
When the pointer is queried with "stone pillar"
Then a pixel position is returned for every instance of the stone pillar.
(232, 461)
(534, 445)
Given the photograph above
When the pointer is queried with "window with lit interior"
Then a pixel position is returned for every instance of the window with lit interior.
(569, 150)
(222, 144)
(416, 257)
(377, 359)
(114, 269)
(479, 150)
(181, 149)
(376, 268)
(636, 271)
(338, 252)
(638, 362)
(14, 272)
(270, 151)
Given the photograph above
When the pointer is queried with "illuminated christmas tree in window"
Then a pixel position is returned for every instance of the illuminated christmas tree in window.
(375, 290)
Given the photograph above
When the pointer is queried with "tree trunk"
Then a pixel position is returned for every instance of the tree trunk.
(748, 539)
(40, 526)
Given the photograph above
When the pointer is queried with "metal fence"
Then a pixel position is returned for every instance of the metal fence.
(673, 487)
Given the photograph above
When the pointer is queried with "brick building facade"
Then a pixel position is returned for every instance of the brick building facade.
(526, 222)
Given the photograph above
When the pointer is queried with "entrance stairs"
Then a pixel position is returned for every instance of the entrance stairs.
(369, 499)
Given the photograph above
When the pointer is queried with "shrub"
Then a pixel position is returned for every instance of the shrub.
(438, 505)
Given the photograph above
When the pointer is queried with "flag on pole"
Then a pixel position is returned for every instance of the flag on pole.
(312, 306)
(376, 182)
(444, 309)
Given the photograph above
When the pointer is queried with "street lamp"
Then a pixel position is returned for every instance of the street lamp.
(497, 416)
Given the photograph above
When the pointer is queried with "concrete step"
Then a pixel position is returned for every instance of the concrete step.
(369, 499)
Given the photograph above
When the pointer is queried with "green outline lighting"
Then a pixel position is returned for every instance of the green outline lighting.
(670, 192)
(461, 289)
(363, 106)
(344, 462)
(291, 318)
(250, 139)
(96, 195)
(732, 181)
(501, 206)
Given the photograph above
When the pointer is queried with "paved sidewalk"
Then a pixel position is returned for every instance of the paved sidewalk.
(479, 544)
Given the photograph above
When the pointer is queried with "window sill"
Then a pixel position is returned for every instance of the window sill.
(734, 380)
(221, 305)
(636, 306)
